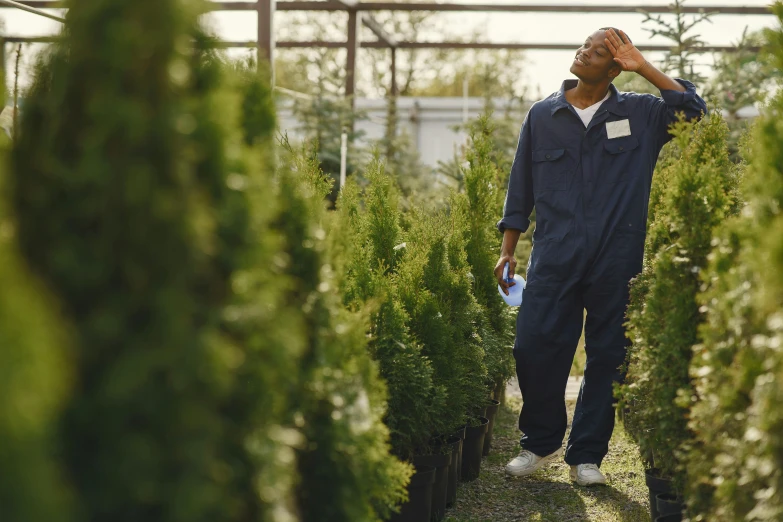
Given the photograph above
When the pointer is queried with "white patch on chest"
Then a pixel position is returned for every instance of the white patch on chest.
(618, 129)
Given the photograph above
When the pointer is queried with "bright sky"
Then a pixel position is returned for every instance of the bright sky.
(546, 69)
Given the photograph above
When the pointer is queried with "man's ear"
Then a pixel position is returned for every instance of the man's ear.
(615, 71)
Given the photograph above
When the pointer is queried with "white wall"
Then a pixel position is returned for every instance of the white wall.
(429, 122)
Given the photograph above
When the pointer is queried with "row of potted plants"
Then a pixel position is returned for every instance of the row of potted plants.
(173, 345)
(209, 341)
(701, 396)
(437, 334)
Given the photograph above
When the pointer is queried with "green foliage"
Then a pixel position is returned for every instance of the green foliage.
(261, 344)
(216, 373)
(345, 469)
(118, 191)
(371, 242)
(738, 368)
(323, 119)
(436, 292)
(663, 317)
(743, 76)
(632, 82)
(34, 383)
(685, 45)
(480, 203)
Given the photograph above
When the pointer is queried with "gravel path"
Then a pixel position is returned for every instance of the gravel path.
(548, 495)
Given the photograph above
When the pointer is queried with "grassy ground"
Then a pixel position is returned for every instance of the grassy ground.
(548, 495)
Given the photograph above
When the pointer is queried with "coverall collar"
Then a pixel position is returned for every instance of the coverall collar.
(615, 104)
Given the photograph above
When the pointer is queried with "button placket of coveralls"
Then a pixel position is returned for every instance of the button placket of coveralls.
(587, 208)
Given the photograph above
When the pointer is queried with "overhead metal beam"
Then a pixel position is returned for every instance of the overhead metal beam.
(266, 36)
(309, 5)
(31, 9)
(352, 44)
(480, 45)
(394, 90)
(416, 45)
(541, 8)
(378, 31)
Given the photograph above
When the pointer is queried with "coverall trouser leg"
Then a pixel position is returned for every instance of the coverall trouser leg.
(548, 329)
(605, 347)
(549, 325)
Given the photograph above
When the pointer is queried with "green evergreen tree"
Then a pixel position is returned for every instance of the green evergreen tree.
(120, 190)
(481, 203)
(681, 60)
(34, 384)
(346, 472)
(373, 249)
(738, 369)
(261, 344)
(435, 290)
(696, 199)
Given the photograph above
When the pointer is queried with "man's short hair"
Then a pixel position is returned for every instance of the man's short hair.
(616, 30)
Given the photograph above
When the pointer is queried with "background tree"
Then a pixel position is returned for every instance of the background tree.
(345, 470)
(664, 326)
(737, 367)
(114, 189)
(482, 202)
(435, 290)
(681, 60)
(34, 383)
(371, 234)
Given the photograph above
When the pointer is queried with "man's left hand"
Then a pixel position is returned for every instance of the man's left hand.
(625, 53)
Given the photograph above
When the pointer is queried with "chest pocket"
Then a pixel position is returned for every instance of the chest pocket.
(618, 162)
(550, 170)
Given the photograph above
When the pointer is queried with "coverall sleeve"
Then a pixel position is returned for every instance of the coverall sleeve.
(671, 103)
(519, 198)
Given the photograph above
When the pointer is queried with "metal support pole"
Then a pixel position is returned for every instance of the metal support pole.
(394, 90)
(266, 37)
(391, 115)
(3, 69)
(354, 19)
(343, 157)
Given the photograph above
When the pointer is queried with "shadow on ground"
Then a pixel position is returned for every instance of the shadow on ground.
(549, 495)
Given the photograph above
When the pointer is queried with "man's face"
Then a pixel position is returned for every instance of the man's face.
(593, 61)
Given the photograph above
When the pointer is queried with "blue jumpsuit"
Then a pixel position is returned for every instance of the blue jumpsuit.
(590, 188)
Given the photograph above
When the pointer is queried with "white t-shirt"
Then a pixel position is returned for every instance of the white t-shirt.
(588, 113)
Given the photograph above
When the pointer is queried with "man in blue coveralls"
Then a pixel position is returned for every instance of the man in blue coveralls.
(585, 161)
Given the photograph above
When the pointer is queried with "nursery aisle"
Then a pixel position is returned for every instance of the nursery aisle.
(548, 495)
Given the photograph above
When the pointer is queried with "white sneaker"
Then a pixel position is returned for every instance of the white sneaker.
(587, 475)
(528, 462)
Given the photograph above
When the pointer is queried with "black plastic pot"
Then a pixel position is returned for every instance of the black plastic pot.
(441, 462)
(454, 444)
(677, 517)
(492, 411)
(419, 505)
(472, 448)
(668, 504)
(460, 433)
(657, 485)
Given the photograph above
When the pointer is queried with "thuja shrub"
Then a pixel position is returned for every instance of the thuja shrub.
(34, 383)
(631, 398)
(260, 330)
(371, 250)
(738, 367)
(113, 170)
(346, 471)
(664, 329)
(480, 203)
(436, 292)
(629, 394)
